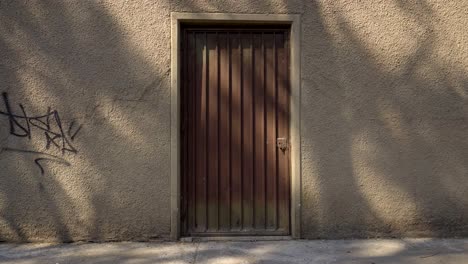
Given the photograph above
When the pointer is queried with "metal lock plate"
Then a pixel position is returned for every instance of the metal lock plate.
(282, 143)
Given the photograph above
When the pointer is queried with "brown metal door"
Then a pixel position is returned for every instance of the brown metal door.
(235, 131)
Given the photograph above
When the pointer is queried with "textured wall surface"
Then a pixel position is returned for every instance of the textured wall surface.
(384, 117)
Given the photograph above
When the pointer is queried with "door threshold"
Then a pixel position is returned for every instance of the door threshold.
(235, 238)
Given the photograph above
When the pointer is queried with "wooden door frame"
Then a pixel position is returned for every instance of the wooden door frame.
(295, 99)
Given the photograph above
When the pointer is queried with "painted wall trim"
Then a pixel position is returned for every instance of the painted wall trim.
(295, 127)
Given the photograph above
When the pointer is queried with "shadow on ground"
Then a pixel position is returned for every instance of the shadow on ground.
(412, 251)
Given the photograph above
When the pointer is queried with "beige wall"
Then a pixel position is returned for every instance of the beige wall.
(384, 117)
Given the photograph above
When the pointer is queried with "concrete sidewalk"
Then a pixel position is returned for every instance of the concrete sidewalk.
(410, 251)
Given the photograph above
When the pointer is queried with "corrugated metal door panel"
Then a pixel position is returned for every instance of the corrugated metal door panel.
(225, 135)
(247, 132)
(235, 107)
(259, 131)
(282, 109)
(213, 130)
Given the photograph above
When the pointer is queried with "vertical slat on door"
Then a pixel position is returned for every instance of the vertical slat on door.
(224, 136)
(247, 132)
(201, 73)
(184, 108)
(236, 130)
(212, 181)
(283, 131)
(259, 128)
(191, 92)
(271, 175)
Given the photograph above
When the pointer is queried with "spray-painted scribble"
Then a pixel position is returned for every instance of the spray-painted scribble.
(44, 157)
(50, 124)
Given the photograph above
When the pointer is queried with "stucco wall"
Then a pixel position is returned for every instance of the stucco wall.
(384, 117)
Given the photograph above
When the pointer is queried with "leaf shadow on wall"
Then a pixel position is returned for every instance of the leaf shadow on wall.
(383, 124)
(74, 57)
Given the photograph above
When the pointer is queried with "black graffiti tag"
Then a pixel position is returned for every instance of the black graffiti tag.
(50, 124)
(43, 157)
